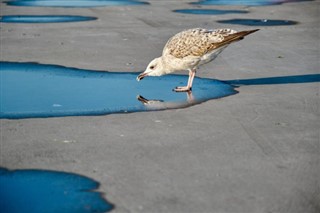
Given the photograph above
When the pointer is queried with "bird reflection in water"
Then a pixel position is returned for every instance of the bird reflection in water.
(157, 104)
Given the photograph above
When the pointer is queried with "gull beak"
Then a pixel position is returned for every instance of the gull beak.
(141, 76)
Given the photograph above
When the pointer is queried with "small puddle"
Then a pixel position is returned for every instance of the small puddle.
(41, 191)
(209, 11)
(73, 3)
(258, 22)
(245, 2)
(31, 90)
(44, 18)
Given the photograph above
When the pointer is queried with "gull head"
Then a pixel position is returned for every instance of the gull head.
(155, 68)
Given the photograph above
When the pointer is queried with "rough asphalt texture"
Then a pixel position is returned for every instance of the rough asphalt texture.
(256, 151)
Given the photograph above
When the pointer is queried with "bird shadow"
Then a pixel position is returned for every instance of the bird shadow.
(295, 79)
(38, 191)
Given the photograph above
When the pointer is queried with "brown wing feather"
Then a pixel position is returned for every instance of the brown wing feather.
(232, 38)
(198, 42)
(191, 42)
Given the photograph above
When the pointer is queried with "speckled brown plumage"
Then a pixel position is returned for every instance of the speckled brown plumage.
(198, 42)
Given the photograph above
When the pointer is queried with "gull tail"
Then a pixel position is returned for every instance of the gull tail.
(242, 34)
(236, 37)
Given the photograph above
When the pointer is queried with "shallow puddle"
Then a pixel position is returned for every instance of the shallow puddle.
(209, 11)
(245, 2)
(44, 18)
(30, 90)
(73, 3)
(258, 22)
(41, 191)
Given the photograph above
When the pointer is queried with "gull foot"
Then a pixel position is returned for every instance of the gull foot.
(182, 89)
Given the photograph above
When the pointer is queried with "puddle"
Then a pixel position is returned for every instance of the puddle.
(209, 11)
(245, 2)
(258, 22)
(44, 18)
(40, 191)
(73, 3)
(31, 90)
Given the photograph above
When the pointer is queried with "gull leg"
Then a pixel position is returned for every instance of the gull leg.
(187, 88)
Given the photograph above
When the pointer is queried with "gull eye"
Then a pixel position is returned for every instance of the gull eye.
(152, 67)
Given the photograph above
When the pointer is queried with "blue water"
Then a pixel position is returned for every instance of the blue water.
(73, 3)
(40, 191)
(44, 18)
(245, 2)
(258, 22)
(209, 11)
(31, 90)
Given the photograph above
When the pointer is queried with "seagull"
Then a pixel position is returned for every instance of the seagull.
(190, 49)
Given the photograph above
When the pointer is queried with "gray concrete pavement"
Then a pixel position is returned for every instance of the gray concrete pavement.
(256, 151)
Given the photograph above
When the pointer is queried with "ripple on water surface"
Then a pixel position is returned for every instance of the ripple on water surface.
(39, 191)
(44, 18)
(38, 90)
(73, 3)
